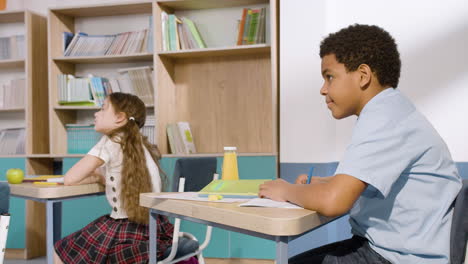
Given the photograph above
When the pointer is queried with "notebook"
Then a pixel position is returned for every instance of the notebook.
(232, 188)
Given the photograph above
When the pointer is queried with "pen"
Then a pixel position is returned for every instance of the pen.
(309, 176)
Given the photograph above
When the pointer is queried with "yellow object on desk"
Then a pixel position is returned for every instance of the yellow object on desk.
(214, 197)
(46, 183)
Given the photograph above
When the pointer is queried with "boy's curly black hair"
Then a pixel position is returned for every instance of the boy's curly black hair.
(365, 44)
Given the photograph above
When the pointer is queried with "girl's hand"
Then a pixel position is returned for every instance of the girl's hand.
(276, 190)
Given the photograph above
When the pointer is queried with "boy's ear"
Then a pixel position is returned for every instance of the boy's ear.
(365, 73)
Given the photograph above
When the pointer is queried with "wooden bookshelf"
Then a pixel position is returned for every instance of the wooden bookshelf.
(35, 114)
(227, 94)
(67, 20)
(34, 66)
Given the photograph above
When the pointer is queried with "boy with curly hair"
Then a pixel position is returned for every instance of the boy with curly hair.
(396, 179)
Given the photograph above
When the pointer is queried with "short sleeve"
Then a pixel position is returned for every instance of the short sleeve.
(101, 149)
(378, 154)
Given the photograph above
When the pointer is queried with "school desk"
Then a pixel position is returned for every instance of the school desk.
(279, 225)
(53, 196)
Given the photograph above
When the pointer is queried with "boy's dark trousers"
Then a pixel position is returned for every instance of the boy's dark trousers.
(355, 250)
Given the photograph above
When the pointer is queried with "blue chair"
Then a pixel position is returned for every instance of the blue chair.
(190, 175)
(4, 217)
(459, 232)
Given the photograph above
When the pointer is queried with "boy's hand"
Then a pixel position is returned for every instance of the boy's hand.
(276, 190)
(301, 179)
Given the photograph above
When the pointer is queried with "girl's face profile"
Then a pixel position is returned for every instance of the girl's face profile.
(106, 119)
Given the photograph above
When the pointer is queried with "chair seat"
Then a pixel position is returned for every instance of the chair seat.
(185, 246)
(4, 197)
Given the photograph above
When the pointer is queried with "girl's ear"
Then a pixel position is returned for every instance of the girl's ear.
(121, 118)
(365, 73)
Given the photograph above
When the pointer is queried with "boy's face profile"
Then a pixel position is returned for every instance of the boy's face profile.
(341, 89)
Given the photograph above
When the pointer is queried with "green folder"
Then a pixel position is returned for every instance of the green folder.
(232, 188)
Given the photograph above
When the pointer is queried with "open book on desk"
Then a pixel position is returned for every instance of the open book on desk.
(265, 202)
(232, 188)
(44, 178)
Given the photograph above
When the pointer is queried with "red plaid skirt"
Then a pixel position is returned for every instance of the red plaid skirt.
(108, 240)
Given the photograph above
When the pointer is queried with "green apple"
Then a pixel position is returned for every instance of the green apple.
(15, 176)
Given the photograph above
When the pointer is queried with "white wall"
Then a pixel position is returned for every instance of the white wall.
(432, 37)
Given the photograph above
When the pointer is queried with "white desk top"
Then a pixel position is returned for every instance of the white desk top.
(271, 221)
(54, 191)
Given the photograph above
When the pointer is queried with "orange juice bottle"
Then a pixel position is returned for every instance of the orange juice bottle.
(230, 171)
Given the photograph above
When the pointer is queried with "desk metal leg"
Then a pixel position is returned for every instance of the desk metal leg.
(53, 227)
(282, 250)
(152, 238)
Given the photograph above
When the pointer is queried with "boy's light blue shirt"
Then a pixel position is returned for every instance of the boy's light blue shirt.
(405, 212)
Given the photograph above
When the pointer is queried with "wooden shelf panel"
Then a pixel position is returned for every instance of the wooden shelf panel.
(15, 63)
(212, 52)
(107, 59)
(11, 16)
(85, 107)
(13, 109)
(216, 155)
(207, 4)
(130, 8)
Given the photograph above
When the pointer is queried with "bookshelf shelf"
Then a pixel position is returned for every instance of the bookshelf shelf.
(6, 64)
(93, 108)
(129, 8)
(13, 109)
(219, 154)
(207, 4)
(106, 59)
(213, 52)
(12, 16)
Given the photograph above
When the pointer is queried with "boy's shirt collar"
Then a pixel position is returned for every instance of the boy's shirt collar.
(378, 98)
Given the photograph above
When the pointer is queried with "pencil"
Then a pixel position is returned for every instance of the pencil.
(46, 183)
(309, 176)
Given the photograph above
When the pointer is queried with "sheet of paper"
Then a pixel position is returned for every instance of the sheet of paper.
(264, 202)
(193, 196)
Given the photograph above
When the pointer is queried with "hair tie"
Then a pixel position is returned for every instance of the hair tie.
(131, 118)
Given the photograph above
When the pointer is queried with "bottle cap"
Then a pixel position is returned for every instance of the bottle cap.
(230, 148)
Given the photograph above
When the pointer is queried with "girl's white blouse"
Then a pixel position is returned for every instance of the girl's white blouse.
(111, 153)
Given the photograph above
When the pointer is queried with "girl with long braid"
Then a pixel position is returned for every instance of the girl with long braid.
(127, 164)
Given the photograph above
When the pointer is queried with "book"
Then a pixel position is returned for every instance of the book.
(194, 31)
(232, 188)
(241, 27)
(187, 137)
(44, 178)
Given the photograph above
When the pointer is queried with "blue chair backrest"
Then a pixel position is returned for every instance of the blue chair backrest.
(4, 197)
(198, 172)
(459, 232)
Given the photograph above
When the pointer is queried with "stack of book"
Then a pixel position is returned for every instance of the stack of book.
(180, 34)
(82, 44)
(180, 138)
(12, 94)
(148, 129)
(93, 90)
(12, 141)
(12, 47)
(251, 29)
(138, 81)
